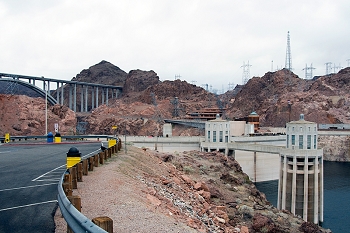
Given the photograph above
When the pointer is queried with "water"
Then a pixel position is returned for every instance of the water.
(336, 212)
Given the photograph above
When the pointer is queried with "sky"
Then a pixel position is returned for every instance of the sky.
(200, 41)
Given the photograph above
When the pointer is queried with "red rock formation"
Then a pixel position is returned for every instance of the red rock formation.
(23, 115)
(324, 100)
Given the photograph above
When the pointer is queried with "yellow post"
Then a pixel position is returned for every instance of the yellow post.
(73, 157)
(112, 142)
(57, 138)
(7, 138)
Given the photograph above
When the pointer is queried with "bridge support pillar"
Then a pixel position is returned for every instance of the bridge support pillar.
(62, 96)
(75, 97)
(58, 92)
(82, 99)
(86, 98)
(96, 97)
(92, 97)
(70, 96)
(107, 96)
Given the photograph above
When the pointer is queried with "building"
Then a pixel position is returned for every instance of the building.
(219, 132)
(300, 188)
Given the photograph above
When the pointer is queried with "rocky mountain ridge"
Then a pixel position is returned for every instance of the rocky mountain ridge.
(146, 101)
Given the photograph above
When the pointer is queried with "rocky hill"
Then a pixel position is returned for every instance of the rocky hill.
(281, 96)
(146, 101)
(23, 115)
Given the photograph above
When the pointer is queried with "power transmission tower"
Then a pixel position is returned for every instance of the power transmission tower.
(177, 109)
(246, 73)
(328, 67)
(231, 86)
(177, 76)
(288, 64)
(308, 71)
(205, 87)
(336, 68)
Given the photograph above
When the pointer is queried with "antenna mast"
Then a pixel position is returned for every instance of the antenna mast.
(288, 64)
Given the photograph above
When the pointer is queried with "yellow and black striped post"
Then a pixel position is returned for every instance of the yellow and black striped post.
(57, 137)
(112, 142)
(7, 138)
(73, 157)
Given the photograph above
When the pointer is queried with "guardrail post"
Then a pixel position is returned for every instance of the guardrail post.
(96, 160)
(73, 172)
(79, 172)
(85, 167)
(67, 185)
(91, 163)
(106, 223)
(105, 153)
(101, 156)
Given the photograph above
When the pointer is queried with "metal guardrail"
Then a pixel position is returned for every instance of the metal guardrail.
(66, 137)
(75, 220)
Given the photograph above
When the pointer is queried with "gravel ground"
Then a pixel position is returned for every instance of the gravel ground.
(115, 190)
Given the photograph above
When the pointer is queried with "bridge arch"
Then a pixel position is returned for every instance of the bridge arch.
(38, 90)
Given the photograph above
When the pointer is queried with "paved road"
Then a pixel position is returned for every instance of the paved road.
(29, 175)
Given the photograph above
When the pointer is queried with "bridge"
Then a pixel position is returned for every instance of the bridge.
(192, 123)
(96, 93)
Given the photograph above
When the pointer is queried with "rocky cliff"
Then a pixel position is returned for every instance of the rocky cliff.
(281, 96)
(22, 115)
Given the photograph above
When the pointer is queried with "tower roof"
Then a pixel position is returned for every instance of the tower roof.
(301, 121)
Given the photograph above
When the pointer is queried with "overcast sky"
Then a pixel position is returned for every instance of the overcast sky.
(205, 41)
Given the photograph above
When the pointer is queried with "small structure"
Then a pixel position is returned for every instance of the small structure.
(300, 187)
(167, 130)
(253, 118)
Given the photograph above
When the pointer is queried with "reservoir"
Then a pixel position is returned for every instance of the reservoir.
(336, 195)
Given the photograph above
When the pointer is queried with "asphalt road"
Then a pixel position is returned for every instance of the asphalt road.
(29, 176)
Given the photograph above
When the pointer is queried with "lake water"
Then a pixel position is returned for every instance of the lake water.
(336, 212)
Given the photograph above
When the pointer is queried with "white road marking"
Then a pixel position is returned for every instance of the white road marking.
(22, 206)
(53, 170)
(48, 172)
(25, 187)
(3, 152)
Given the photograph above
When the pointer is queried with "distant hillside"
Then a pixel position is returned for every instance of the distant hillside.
(324, 100)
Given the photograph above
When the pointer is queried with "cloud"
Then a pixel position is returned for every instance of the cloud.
(206, 41)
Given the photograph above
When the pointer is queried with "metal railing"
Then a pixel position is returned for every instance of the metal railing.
(67, 137)
(75, 220)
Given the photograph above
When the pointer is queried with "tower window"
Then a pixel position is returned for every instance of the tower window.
(301, 145)
(308, 141)
(293, 140)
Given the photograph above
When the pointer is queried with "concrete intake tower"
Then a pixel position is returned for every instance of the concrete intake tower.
(300, 187)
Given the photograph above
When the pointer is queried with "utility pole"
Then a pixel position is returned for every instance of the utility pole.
(308, 71)
(246, 73)
(45, 107)
(288, 64)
